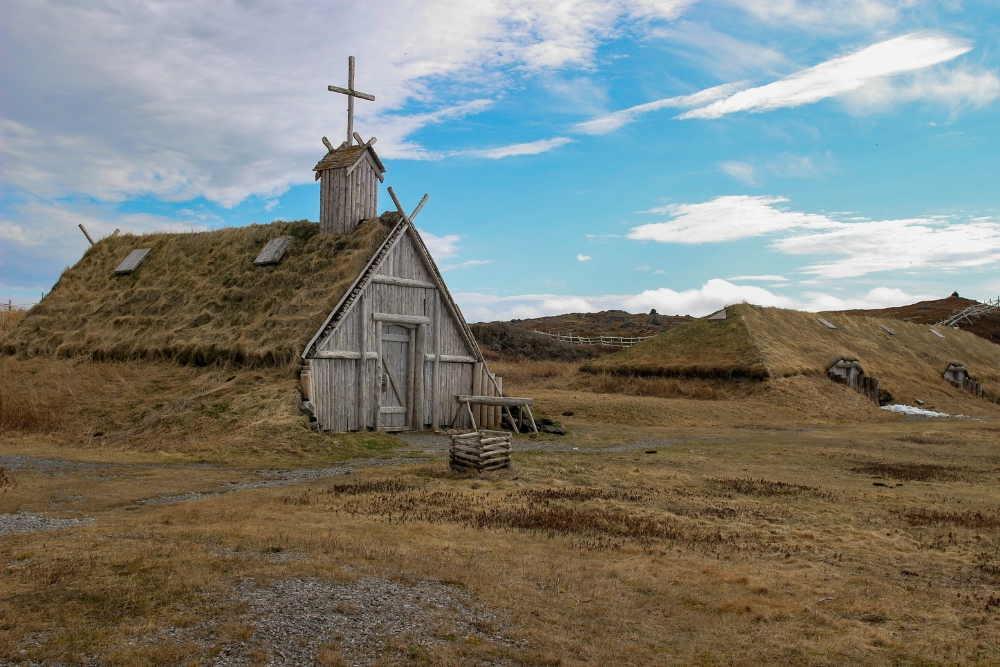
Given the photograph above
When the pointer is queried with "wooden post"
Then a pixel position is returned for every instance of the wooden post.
(477, 389)
(418, 381)
(437, 359)
(378, 377)
(84, 230)
(350, 101)
(362, 309)
(411, 374)
(498, 411)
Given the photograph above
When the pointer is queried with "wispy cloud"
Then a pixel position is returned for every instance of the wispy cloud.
(859, 246)
(841, 75)
(708, 298)
(764, 278)
(583, 258)
(887, 245)
(727, 218)
(741, 171)
(613, 121)
(440, 247)
(530, 148)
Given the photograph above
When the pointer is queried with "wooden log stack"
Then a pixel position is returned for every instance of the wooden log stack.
(480, 450)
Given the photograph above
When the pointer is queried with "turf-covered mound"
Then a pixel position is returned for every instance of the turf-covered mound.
(762, 343)
(198, 298)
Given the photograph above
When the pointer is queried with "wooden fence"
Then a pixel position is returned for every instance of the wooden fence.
(606, 341)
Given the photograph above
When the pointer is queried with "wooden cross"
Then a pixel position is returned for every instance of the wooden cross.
(351, 94)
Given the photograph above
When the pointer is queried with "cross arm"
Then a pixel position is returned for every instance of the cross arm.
(351, 93)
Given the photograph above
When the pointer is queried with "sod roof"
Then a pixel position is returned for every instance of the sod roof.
(198, 298)
(761, 343)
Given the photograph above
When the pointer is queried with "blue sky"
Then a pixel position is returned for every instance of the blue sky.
(581, 155)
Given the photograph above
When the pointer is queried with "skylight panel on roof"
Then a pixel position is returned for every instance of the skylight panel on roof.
(273, 251)
(826, 323)
(132, 262)
(936, 333)
(887, 330)
(721, 315)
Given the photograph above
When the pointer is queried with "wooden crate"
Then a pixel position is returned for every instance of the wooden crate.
(480, 450)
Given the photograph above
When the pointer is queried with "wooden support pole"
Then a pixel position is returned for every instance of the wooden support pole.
(84, 230)
(350, 100)
(411, 382)
(378, 378)
(362, 309)
(437, 359)
(477, 388)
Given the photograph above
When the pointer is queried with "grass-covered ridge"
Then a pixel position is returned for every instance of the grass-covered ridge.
(702, 348)
(768, 343)
(198, 298)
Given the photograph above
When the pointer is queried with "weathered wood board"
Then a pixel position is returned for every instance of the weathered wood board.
(273, 251)
(132, 262)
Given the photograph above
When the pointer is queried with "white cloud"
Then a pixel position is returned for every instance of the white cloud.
(531, 148)
(860, 246)
(822, 14)
(726, 219)
(440, 247)
(955, 89)
(613, 121)
(710, 297)
(765, 278)
(228, 99)
(842, 75)
(583, 258)
(887, 245)
(741, 171)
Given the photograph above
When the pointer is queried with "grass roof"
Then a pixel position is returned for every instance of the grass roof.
(198, 298)
(763, 343)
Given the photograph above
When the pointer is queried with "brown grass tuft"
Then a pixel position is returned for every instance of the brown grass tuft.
(198, 298)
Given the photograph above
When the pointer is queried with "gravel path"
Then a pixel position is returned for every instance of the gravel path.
(298, 619)
(27, 522)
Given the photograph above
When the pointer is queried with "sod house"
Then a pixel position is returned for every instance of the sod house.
(354, 304)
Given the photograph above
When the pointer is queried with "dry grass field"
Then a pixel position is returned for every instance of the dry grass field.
(679, 522)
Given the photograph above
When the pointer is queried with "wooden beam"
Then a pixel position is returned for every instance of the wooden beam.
(419, 206)
(337, 354)
(393, 318)
(84, 230)
(115, 233)
(403, 282)
(326, 142)
(411, 380)
(351, 94)
(450, 358)
(510, 401)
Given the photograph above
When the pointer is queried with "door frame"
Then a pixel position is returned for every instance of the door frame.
(414, 375)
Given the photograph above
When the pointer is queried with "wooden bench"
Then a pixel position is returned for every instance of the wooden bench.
(506, 402)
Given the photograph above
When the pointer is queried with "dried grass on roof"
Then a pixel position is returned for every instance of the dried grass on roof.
(198, 298)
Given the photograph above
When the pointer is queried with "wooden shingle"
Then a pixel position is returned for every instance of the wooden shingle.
(132, 262)
(273, 251)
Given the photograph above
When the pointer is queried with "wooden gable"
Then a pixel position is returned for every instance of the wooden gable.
(400, 299)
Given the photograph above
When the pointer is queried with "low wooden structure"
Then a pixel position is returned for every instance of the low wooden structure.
(851, 373)
(480, 450)
(958, 376)
(496, 403)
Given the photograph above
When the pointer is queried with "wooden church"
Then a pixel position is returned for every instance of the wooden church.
(355, 305)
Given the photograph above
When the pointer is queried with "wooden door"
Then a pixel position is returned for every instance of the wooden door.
(394, 410)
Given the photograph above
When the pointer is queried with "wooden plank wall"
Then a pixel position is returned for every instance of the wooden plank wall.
(346, 401)
(346, 200)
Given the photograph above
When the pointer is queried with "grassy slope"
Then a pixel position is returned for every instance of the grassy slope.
(700, 348)
(775, 343)
(198, 298)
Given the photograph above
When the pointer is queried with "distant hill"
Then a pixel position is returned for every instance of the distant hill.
(604, 323)
(931, 312)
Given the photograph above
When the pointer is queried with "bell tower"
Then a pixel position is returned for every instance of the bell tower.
(348, 191)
